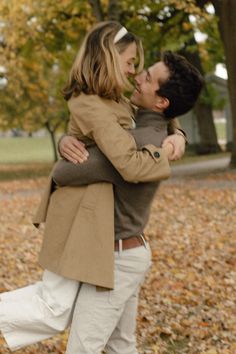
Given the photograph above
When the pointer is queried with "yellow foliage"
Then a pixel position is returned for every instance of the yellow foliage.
(41, 41)
(187, 26)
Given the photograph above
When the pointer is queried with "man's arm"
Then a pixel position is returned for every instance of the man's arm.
(97, 168)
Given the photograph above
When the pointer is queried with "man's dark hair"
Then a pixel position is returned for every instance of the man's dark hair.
(183, 86)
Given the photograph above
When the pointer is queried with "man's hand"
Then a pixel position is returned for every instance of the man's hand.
(72, 149)
(178, 143)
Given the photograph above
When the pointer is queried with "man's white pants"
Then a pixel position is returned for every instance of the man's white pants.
(101, 318)
(107, 319)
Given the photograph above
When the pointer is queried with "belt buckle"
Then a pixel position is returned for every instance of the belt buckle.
(120, 245)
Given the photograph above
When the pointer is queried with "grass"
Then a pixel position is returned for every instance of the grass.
(10, 172)
(24, 150)
(221, 130)
(177, 347)
(22, 158)
(190, 157)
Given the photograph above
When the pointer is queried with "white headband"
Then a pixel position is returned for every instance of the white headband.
(120, 34)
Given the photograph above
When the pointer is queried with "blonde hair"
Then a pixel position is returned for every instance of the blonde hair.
(97, 69)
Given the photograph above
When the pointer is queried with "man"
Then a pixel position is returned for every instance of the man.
(167, 89)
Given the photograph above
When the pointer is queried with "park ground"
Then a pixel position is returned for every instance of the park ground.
(187, 304)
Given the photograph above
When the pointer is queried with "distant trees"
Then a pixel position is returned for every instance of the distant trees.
(226, 11)
(38, 42)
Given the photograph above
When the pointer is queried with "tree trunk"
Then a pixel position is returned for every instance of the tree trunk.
(53, 140)
(97, 9)
(226, 10)
(207, 130)
(114, 10)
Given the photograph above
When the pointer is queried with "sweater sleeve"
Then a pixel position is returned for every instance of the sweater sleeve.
(173, 125)
(101, 124)
(96, 169)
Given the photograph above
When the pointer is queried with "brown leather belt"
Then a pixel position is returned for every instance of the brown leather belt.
(131, 242)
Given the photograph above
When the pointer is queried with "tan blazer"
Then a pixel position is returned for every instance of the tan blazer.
(79, 231)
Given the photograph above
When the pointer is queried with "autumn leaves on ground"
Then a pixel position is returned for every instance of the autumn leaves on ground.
(188, 302)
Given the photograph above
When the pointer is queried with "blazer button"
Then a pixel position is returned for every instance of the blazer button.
(156, 154)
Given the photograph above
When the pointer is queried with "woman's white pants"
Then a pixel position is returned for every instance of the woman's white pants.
(37, 312)
(101, 319)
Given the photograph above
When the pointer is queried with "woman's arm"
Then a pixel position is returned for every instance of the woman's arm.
(97, 168)
(100, 124)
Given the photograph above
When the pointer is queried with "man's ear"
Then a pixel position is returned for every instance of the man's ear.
(162, 103)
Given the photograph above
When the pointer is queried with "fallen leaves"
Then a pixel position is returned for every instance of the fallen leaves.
(188, 302)
(190, 290)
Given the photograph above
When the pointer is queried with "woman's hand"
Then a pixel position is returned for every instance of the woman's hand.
(72, 149)
(178, 143)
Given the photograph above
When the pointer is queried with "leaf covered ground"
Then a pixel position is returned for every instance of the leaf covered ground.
(188, 301)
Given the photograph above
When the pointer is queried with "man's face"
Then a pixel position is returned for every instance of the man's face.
(147, 83)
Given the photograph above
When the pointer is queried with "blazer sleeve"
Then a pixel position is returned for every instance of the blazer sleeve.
(98, 168)
(101, 124)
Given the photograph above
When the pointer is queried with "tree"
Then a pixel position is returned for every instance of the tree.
(39, 43)
(164, 27)
(226, 12)
(203, 108)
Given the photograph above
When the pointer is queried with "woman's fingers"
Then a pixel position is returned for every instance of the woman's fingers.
(73, 150)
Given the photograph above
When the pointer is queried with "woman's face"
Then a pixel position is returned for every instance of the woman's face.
(127, 59)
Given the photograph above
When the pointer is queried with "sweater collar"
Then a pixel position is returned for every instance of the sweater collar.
(145, 117)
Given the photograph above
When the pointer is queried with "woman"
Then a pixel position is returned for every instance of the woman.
(75, 235)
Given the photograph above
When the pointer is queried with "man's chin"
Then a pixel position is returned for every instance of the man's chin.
(134, 100)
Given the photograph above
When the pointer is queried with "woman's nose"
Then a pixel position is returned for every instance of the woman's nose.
(138, 78)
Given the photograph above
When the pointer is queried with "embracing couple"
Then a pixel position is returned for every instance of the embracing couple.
(97, 201)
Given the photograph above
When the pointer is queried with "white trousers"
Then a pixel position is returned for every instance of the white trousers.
(101, 318)
(37, 312)
(107, 319)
